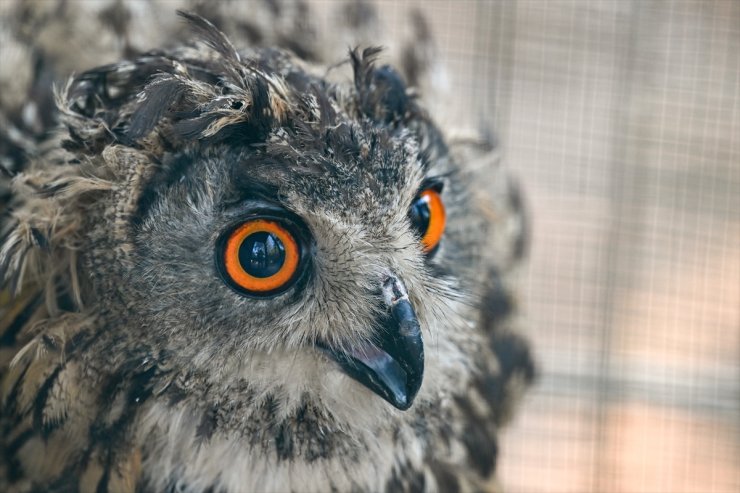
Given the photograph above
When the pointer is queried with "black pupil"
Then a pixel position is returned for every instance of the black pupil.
(261, 254)
(419, 215)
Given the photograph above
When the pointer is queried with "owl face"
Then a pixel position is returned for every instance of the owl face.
(323, 222)
(247, 250)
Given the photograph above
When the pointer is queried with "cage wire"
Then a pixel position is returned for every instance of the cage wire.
(621, 118)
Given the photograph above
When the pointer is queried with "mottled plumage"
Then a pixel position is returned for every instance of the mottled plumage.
(135, 367)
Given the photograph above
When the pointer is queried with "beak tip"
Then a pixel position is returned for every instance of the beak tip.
(403, 405)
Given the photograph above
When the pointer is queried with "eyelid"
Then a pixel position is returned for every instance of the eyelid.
(246, 208)
(435, 183)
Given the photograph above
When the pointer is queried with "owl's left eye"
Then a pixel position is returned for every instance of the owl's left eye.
(260, 257)
(428, 217)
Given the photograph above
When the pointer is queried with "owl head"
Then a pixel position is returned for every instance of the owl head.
(224, 234)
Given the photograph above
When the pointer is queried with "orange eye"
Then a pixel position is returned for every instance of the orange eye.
(428, 217)
(260, 257)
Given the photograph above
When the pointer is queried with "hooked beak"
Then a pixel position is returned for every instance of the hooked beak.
(393, 367)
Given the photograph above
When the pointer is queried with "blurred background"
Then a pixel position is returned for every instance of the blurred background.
(622, 120)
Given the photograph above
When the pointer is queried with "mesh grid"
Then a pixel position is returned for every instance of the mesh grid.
(621, 117)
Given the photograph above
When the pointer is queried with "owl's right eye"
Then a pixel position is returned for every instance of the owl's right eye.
(260, 257)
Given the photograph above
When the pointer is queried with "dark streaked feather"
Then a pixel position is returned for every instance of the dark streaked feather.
(157, 98)
(210, 35)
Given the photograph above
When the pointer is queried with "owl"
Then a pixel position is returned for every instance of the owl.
(253, 270)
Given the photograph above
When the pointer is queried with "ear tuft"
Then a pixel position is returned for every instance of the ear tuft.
(381, 92)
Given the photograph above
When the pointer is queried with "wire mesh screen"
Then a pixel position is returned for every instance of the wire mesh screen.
(622, 120)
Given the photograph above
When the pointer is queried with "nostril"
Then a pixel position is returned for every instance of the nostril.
(393, 291)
